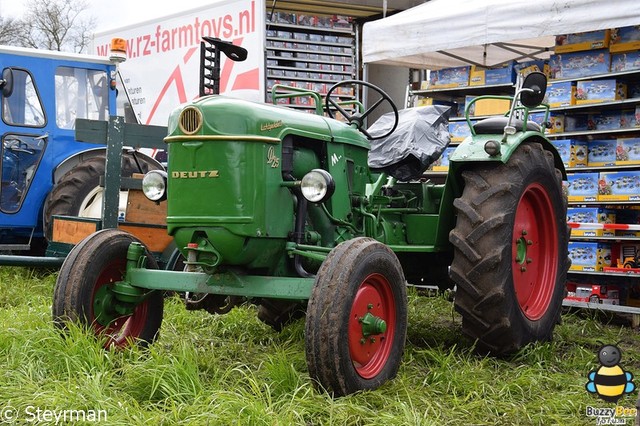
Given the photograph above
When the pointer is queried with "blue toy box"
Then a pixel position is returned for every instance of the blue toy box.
(625, 39)
(561, 94)
(625, 61)
(504, 74)
(459, 130)
(582, 186)
(442, 163)
(574, 152)
(628, 151)
(589, 257)
(580, 64)
(449, 77)
(592, 91)
(619, 186)
(607, 120)
(582, 41)
(602, 152)
(591, 215)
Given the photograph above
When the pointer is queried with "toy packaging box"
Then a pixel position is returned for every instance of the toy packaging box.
(582, 186)
(527, 67)
(607, 120)
(556, 122)
(488, 106)
(593, 293)
(602, 152)
(629, 216)
(592, 91)
(573, 152)
(619, 186)
(449, 77)
(504, 74)
(582, 41)
(591, 215)
(442, 163)
(625, 39)
(459, 130)
(586, 256)
(576, 122)
(629, 118)
(628, 151)
(561, 94)
(580, 64)
(625, 61)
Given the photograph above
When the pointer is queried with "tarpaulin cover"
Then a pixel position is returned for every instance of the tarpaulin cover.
(420, 138)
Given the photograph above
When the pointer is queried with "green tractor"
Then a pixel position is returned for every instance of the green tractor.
(281, 208)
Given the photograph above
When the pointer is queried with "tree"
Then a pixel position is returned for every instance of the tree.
(57, 25)
(10, 30)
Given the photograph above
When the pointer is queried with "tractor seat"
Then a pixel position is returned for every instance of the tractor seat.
(495, 125)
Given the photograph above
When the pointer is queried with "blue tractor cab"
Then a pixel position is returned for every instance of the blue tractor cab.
(45, 171)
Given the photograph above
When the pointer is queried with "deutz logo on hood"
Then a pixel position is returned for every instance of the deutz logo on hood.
(195, 175)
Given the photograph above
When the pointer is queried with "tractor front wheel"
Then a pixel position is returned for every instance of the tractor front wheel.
(356, 318)
(83, 292)
(510, 251)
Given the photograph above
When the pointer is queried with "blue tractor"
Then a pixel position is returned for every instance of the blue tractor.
(45, 171)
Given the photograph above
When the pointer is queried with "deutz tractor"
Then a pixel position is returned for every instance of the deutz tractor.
(284, 209)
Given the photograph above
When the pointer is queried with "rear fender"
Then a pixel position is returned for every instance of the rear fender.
(472, 150)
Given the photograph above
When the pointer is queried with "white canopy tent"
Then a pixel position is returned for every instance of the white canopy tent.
(448, 33)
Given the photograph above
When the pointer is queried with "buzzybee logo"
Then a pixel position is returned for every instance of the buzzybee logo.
(610, 382)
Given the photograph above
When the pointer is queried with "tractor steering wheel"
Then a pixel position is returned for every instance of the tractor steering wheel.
(358, 117)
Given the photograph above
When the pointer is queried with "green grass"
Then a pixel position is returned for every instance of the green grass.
(234, 370)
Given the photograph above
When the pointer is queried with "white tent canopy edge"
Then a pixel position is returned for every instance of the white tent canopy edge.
(446, 33)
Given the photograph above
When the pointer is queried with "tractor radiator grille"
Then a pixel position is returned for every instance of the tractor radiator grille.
(190, 120)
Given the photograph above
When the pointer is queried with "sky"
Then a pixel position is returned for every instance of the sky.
(116, 13)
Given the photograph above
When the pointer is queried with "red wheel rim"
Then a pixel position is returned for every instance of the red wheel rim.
(534, 252)
(122, 330)
(369, 354)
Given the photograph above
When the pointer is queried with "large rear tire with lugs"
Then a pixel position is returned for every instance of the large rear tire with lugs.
(510, 251)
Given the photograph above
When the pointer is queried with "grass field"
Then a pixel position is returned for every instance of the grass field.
(234, 370)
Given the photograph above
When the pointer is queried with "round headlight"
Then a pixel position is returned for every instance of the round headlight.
(154, 185)
(317, 186)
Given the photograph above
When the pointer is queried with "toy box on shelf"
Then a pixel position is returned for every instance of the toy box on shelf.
(593, 91)
(619, 186)
(449, 78)
(582, 41)
(562, 93)
(580, 64)
(556, 123)
(528, 67)
(488, 106)
(573, 152)
(628, 151)
(602, 152)
(442, 163)
(582, 186)
(625, 39)
(587, 256)
(625, 61)
(504, 74)
(593, 293)
(459, 130)
(625, 259)
(591, 215)
(628, 216)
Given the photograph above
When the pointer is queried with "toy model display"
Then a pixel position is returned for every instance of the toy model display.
(286, 210)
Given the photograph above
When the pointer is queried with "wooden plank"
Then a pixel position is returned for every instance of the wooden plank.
(156, 239)
(142, 210)
(71, 231)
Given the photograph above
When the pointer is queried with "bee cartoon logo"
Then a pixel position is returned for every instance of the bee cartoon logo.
(610, 382)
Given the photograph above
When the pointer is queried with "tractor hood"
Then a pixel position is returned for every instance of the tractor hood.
(223, 116)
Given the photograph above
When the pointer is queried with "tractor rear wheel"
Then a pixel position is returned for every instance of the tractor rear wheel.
(510, 251)
(83, 291)
(356, 318)
(79, 194)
